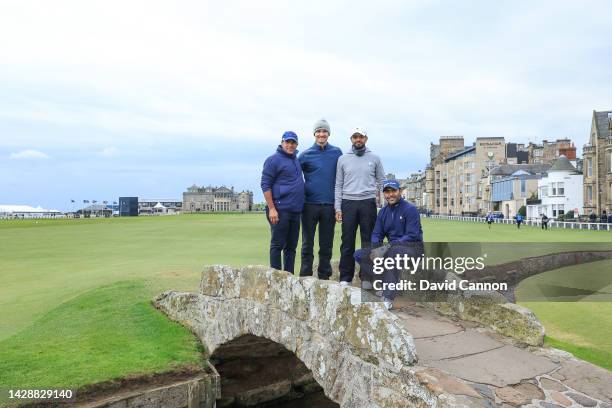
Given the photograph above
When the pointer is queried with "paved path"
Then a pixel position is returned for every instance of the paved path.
(483, 368)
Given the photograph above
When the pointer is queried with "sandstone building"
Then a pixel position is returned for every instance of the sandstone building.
(548, 152)
(216, 199)
(457, 178)
(597, 165)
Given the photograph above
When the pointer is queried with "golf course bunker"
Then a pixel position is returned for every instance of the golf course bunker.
(257, 372)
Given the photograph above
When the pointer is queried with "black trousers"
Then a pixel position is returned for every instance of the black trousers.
(284, 239)
(391, 275)
(355, 213)
(325, 216)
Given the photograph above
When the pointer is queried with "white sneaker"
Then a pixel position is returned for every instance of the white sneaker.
(366, 285)
(388, 303)
(344, 283)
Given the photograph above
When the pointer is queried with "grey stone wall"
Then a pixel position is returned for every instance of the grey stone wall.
(200, 392)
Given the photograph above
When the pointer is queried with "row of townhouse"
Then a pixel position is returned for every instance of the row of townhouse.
(494, 176)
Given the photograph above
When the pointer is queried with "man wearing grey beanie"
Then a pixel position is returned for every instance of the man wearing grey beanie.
(319, 167)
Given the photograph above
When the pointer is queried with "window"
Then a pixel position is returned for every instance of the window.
(557, 210)
(589, 194)
(557, 189)
(543, 191)
(523, 182)
(589, 167)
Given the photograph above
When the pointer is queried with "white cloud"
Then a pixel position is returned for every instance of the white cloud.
(28, 154)
(109, 152)
(201, 71)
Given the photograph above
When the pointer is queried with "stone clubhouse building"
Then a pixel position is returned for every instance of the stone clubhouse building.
(216, 199)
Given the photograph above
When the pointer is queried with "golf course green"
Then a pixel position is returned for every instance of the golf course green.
(75, 294)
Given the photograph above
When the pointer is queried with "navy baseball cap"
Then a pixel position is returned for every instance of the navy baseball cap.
(289, 135)
(391, 184)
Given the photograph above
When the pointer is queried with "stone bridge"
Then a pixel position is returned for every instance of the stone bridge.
(476, 353)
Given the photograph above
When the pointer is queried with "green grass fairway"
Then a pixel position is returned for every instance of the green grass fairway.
(55, 271)
(583, 328)
(103, 333)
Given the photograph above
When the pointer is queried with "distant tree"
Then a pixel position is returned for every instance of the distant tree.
(523, 211)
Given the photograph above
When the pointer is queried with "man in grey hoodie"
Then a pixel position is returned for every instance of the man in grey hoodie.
(359, 175)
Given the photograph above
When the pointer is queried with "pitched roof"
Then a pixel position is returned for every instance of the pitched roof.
(508, 169)
(602, 121)
(460, 153)
(562, 164)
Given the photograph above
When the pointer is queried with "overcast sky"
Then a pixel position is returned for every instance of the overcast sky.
(100, 99)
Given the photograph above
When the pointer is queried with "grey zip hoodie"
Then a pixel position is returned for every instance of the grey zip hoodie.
(357, 177)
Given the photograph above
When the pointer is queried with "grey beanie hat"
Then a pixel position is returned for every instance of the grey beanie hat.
(321, 124)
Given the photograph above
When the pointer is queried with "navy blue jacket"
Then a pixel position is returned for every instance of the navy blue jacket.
(398, 223)
(282, 174)
(319, 167)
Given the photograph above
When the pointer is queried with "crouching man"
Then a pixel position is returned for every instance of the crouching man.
(399, 222)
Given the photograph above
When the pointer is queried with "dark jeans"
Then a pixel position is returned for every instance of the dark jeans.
(391, 275)
(285, 236)
(325, 216)
(355, 213)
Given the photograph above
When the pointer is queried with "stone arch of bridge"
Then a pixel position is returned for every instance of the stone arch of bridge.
(255, 371)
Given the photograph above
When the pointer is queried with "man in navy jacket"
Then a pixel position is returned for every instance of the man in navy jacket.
(283, 188)
(319, 167)
(400, 223)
